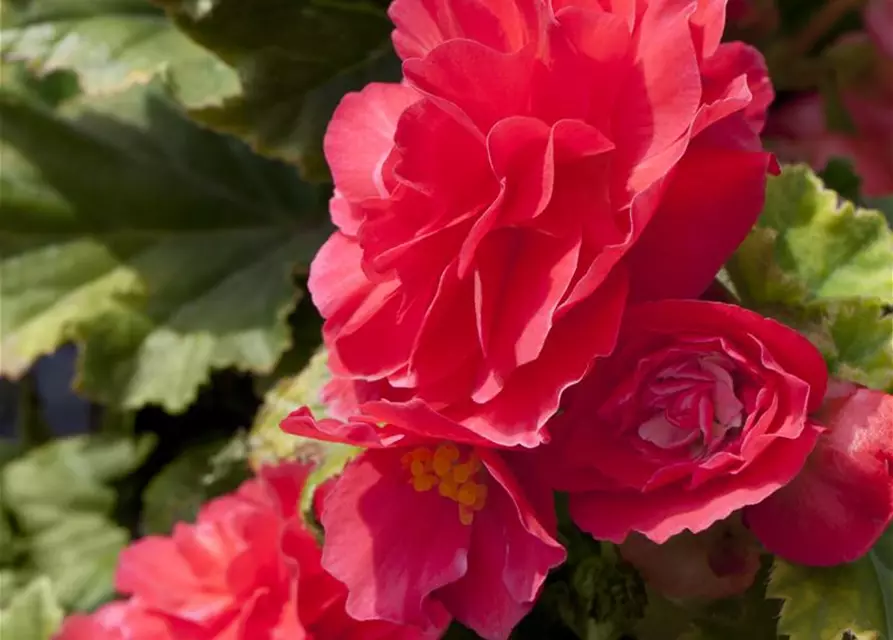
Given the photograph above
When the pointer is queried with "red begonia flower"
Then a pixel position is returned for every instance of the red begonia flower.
(542, 161)
(248, 569)
(426, 525)
(701, 411)
(842, 501)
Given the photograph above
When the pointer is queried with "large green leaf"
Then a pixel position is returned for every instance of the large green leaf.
(166, 249)
(809, 245)
(109, 43)
(61, 500)
(294, 59)
(32, 613)
(822, 603)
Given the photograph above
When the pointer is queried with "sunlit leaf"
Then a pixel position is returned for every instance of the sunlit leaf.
(165, 249)
(808, 244)
(109, 43)
(294, 60)
(32, 614)
(822, 603)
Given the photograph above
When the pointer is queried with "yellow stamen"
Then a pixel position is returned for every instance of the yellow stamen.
(424, 482)
(454, 480)
(448, 489)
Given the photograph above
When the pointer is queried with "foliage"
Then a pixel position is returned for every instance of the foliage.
(173, 248)
(32, 614)
(60, 498)
(163, 191)
(825, 603)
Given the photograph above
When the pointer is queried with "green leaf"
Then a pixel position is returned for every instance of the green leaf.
(269, 443)
(294, 60)
(823, 603)
(808, 245)
(178, 491)
(61, 500)
(853, 336)
(111, 44)
(166, 249)
(32, 614)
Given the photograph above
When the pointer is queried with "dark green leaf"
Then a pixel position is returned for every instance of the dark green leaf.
(179, 490)
(294, 59)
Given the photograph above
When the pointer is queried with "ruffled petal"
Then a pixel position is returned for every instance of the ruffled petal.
(391, 545)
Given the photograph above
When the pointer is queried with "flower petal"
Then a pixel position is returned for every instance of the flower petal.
(667, 511)
(391, 545)
(842, 501)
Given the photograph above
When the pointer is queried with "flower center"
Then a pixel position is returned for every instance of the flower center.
(454, 479)
(694, 407)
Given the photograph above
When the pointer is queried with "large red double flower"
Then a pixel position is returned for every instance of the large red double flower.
(543, 163)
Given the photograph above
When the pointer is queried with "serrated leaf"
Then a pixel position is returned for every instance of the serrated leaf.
(823, 603)
(61, 500)
(168, 250)
(294, 59)
(855, 337)
(111, 44)
(32, 614)
(809, 245)
(269, 443)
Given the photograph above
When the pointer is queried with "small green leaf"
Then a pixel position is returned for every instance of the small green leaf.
(809, 245)
(167, 250)
(111, 44)
(61, 500)
(854, 337)
(269, 443)
(294, 60)
(823, 603)
(178, 491)
(32, 614)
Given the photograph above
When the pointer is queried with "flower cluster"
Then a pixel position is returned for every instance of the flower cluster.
(525, 225)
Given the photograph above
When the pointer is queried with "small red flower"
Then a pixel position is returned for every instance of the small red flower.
(427, 525)
(701, 411)
(842, 501)
(541, 162)
(248, 569)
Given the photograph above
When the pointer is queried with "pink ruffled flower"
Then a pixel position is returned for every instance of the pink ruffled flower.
(426, 525)
(248, 569)
(497, 211)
